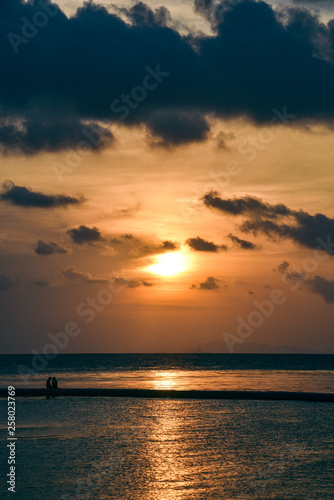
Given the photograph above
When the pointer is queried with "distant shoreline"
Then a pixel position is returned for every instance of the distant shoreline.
(172, 394)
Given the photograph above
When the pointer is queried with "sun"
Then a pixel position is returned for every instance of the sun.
(169, 264)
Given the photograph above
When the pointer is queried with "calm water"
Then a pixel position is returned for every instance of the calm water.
(142, 449)
(313, 373)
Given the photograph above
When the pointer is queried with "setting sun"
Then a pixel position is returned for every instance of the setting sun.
(169, 264)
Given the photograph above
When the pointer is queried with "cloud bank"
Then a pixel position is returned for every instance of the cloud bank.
(141, 72)
(277, 221)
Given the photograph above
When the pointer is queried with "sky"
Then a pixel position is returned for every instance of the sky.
(166, 176)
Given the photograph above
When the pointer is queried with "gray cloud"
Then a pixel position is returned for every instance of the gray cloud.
(84, 234)
(141, 245)
(282, 61)
(247, 205)
(276, 221)
(169, 245)
(42, 133)
(136, 282)
(172, 128)
(25, 197)
(290, 276)
(244, 244)
(200, 245)
(8, 281)
(322, 287)
(73, 275)
(42, 282)
(43, 248)
(209, 284)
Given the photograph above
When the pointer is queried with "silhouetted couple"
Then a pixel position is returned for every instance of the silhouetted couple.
(52, 383)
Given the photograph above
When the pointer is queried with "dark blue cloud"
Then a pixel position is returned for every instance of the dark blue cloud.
(277, 221)
(200, 245)
(244, 244)
(25, 197)
(8, 282)
(43, 248)
(84, 234)
(69, 72)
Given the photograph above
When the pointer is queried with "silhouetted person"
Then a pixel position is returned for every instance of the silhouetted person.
(54, 384)
(48, 383)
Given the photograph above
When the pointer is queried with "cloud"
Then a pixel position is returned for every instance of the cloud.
(169, 245)
(84, 234)
(135, 283)
(43, 133)
(172, 128)
(244, 244)
(8, 281)
(322, 287)
(254, 60)
(209, 284)
(247, 205)
(200, 245)
(277, 221)
(222, 140)
(42, 282)
(141, 245)
(283, 267)
(290, 276)
(25, 197)
(315, 3)
(73, 275)
(318, 284)
(43, 248)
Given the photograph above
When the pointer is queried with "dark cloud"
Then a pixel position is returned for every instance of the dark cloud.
(244, 244)
(318, 284)
(43, 133)
(73, 275)
(209, 284)
(25, 197)
(255, 60)
(172, 128)
(135, 283)
(142, 245)
(84, 234)
(244, 206)
(290, 276)
(169, 245)
(223, 139)
(322, 287)
(305, 230)
(277, 221)
(126, 244)
(8, 281)
(200, 245)
(141, 15)
(43, 282)
(283, 267)
(43, 248)
(315, 3)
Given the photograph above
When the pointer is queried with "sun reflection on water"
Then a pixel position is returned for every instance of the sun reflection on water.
(165, 379)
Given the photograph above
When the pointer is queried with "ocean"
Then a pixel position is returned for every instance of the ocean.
(159, 449)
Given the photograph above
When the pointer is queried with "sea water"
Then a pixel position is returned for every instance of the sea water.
(159, 449)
